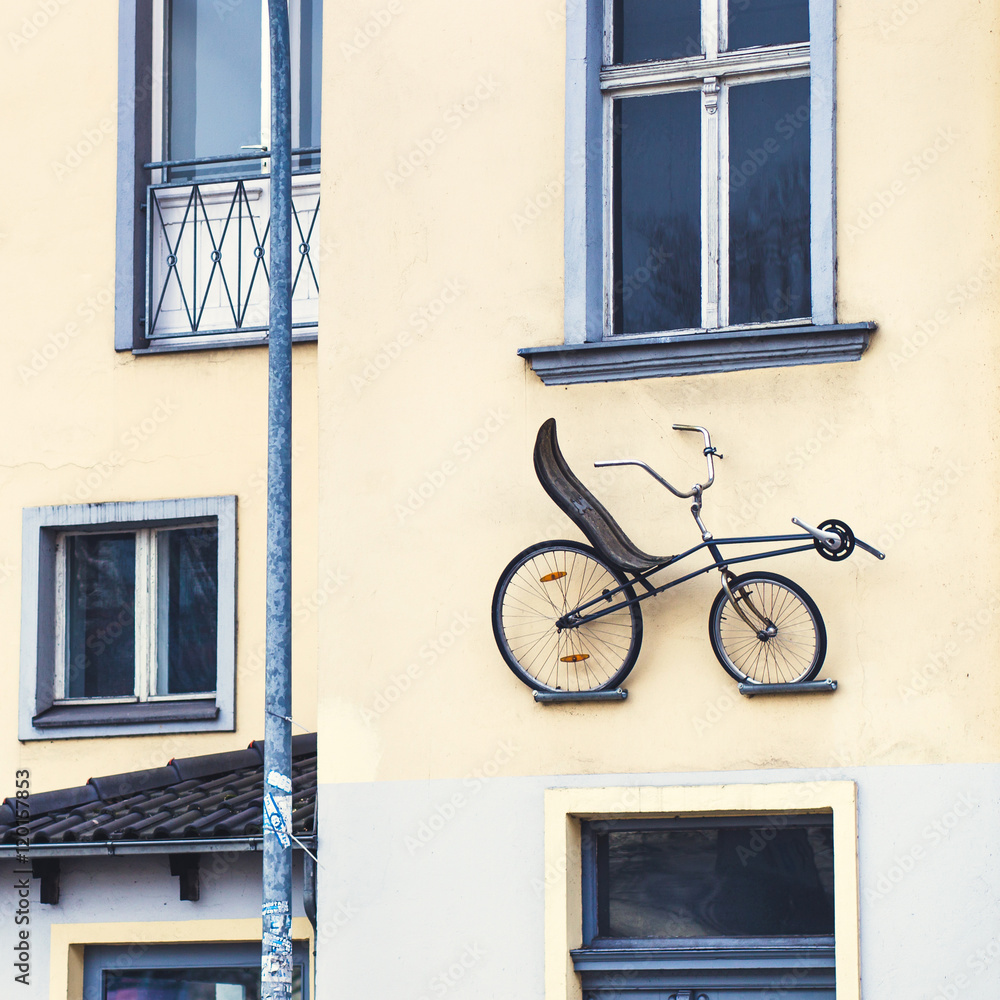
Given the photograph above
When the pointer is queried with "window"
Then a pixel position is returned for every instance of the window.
(699, 190)
(741, 904)
(183, 972)
(731, 892)
(132, 626)
(194, 128)
(212, 90)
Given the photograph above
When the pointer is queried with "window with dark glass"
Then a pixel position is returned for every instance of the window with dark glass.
(138, 615)
(746, 879)
(707, 132)
(728, 907)
(219, 971)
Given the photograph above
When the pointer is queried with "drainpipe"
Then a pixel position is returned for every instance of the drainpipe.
(276, 942)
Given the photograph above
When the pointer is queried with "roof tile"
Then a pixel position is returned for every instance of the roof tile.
(213, 796)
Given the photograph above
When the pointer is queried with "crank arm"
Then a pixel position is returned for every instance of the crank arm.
(868, 548)
(829, 538)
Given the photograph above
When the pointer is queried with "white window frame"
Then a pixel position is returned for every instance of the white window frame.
(160, 91)
(43, 711)
(587, 352)
(160, 95)
(151, 635)
(713, 74)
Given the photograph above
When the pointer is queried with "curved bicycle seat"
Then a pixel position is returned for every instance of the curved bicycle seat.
(584, 509)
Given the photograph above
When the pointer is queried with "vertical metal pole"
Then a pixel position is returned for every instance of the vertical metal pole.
(276, 943)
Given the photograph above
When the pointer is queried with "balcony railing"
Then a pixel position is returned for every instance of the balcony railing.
(207, 249)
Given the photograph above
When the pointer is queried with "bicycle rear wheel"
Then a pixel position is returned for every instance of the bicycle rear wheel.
(541, 585)
(789, 646)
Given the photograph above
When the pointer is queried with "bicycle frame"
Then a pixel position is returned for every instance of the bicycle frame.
(721, 563)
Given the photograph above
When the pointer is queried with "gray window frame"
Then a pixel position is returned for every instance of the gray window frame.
(193, 955)
(135, 144)
(589, 353)
(743, 967)
(39, 717)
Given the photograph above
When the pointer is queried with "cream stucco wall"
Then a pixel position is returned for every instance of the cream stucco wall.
(186, 424)
(900, 444)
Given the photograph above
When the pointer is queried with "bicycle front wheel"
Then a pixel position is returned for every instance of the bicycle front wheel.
(540, 586)
(788, 644)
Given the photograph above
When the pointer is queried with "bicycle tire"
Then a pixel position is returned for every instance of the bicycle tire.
(792, 658)
(539, 586)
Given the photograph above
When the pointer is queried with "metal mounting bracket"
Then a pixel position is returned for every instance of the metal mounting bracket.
(825, 686)
(558, 697)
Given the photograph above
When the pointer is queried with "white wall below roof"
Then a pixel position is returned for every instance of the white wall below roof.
(443, 881)
(130, 890)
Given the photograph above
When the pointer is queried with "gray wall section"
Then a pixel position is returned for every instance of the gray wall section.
(435, 889)
(128, 890)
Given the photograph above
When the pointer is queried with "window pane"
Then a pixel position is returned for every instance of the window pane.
(656, 29)
(767, 22)
(214, 78)
(307, 66)
(235, 983)
(772, 879)
(769, 277)
(100, 616)
(187, 610)
(657, 253)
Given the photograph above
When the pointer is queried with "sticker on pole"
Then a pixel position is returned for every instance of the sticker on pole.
(278, 780)
(278, 817)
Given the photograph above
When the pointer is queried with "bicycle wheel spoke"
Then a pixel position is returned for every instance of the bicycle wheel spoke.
(787, 646)
(544, 586)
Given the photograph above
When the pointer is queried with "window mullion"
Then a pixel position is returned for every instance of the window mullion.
(160, 90)
(713, 27)
(145, 613)
(610, 223)
(722, 231)
(59, 685)
(710, 222)
(265, 83)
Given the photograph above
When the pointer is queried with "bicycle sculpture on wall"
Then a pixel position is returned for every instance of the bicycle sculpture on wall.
(566, 615)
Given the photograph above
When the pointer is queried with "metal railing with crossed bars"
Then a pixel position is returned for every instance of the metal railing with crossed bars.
(207, 246)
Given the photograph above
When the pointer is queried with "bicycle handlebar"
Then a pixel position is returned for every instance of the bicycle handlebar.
(698, 487)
